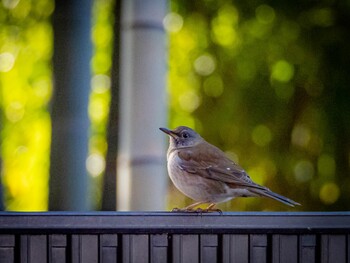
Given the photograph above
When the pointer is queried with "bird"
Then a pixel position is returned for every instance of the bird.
(205, 174)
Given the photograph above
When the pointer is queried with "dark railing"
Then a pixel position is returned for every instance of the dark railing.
(175, 237)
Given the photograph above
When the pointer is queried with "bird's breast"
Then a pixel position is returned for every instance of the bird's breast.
(194, 185)
(177, 175)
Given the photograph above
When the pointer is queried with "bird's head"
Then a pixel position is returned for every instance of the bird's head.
(182, 137)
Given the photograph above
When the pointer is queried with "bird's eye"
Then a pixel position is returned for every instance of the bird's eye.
(185, 135)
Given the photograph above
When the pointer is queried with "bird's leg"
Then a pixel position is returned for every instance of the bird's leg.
(211, 208)
(189, 208)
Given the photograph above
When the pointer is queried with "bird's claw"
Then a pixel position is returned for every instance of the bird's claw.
(210, 210)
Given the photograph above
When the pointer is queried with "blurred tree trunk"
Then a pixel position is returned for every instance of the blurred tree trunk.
(109, 183)
(142, 180)
(70, 122)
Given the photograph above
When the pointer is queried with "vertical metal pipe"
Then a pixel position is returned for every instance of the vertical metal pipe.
(142, 180)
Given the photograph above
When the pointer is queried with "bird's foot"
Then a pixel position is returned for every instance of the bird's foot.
(211, 208)
(198, 210)
(207, 210)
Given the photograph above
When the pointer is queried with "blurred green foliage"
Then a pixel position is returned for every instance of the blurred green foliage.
(267, 82)
(25, 91)
(102, 38)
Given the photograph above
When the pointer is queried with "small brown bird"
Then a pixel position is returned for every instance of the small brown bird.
(204, 173)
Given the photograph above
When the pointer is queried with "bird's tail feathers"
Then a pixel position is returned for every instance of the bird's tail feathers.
(268, 193)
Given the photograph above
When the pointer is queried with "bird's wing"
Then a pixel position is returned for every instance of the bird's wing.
(213, 164)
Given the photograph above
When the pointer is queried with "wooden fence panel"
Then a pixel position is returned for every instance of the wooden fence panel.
(131, 237)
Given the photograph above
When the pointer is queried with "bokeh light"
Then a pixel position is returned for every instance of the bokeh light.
(282, 71)
(173, 22)
(329, 193)
(95, 164)
(7, 60)
(261, 135)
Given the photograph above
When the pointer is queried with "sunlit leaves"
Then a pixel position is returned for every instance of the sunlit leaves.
(102, 38)
(25, 88)
(267, 98)
(187, 63)
(7, 60)
(25, 163)
(224, 26)
(263, 81)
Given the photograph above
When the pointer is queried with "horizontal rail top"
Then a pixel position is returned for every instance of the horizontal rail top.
(171, 222)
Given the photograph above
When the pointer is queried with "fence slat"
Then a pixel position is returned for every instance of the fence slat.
(84, 248)
(258, 248)
(185, 249)
(135, 248)
(284, 248)
(7, 248)
(333, 248)
(208, 248)
(159, 248)
(58, 248)
(235, 248)
(33, 248)
(307, 248)
(108, 248)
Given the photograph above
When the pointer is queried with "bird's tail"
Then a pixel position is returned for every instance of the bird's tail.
(268, 193)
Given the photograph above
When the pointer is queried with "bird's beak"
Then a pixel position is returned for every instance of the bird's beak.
(169, 132)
